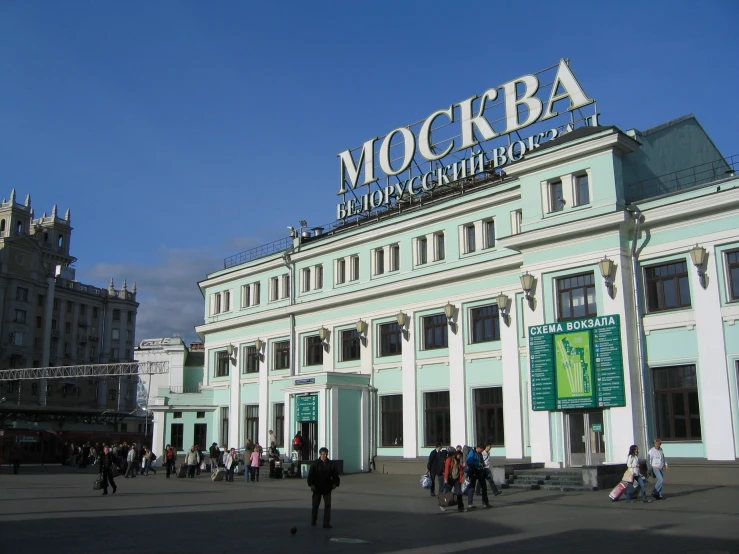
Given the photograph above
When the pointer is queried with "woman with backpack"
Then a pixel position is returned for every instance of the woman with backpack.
(298, 445)
(454, 477)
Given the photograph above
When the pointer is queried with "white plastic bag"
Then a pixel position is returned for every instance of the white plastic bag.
(426, 481)
(465, 484)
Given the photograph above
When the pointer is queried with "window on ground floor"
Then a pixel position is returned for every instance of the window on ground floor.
(391, 420)
(677, 411)
(251, 423)
(177, 431)
(224, 426)
(200, 435)
(279, 425)
(489, 416)
(436, 418)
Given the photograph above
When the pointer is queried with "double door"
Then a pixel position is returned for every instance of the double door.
(586, 446)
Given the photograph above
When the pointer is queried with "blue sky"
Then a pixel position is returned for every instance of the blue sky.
(179, 133)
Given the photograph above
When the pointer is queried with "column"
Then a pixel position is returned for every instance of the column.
(264, 404)
(539, 428)
(512, 410)
(457, 382)
(713, 383)
(158, 433)
(409, 378)
(234, 412)
(330, 429)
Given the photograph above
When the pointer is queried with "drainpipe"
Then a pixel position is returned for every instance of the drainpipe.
(638, 313)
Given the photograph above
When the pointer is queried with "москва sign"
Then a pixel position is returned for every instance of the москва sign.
(519, 99)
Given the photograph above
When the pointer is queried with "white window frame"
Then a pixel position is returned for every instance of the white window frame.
(285, 282)
(355, 267)
(575, 196)
(274, 289)
(486, 236)
(245, 296)
(439, 239)
(305, 275)
(377, 255)
(394, 262)
(516, 221)
(340, 271)
(422, 250)
(318, 277)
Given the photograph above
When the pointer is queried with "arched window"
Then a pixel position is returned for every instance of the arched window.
(46, 236)
(60, 241)
(19, 227)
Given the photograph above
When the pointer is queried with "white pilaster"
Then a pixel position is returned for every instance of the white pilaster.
(365, 429)
(539, 428)
(264, 405)
(234, 412)
(158, 431)
(328, 434)
(457, 383)
(713, 383)
(512, 410)
(410, 417)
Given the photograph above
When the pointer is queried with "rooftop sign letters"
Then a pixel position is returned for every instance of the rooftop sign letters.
(440, 138)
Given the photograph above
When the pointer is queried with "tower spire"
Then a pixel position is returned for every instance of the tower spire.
(53, 211)
(12, 196)
(68, 215)
(28, 200)
(111, 287)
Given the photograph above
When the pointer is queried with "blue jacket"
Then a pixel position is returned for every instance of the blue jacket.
(473, 460)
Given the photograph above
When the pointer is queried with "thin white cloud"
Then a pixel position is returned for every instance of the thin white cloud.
(169, 299)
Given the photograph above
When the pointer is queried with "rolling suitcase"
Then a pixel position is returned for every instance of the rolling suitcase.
(447, 499)
(219, 474)
(618, 490)
(182, 471)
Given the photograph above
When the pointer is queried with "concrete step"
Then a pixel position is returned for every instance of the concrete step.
(568, 488)
(527, 487)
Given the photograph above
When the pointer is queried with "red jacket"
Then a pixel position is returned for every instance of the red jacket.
(448, 469)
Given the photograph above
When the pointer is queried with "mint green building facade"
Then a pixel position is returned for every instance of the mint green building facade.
(385, 337)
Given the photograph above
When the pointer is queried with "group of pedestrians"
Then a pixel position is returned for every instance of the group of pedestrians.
(656, 466)
(457, 469)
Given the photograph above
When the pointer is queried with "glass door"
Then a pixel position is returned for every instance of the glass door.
(586, 446)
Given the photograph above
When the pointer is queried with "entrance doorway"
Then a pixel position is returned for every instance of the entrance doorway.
(586, 446)
(309, 431)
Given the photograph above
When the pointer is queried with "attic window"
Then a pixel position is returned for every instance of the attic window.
(60, 241)
(19, 227)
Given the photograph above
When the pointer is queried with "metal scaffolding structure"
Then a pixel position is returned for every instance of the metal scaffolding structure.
(86, 370)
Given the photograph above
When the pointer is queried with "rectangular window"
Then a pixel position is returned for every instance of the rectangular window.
(282, 354)
(94, 312)
(355, 268)
(340, 272)
(115, 334)
(129, 335)
(53, 324)
(469, 238)
(222, 363)
(245, 296)
(115, 353)
(516, 221)
(17, 338)
(667, 287)
(436, 418)
(251, 423)
(676, 403)
(582, 190)
(439, 247)
(556, 200)
(313, 350)
(56, 304)
(83, 311)
(116, 315)
(67, 327)
(112, 394)
(176, 435)
(489, 416)
(279, 424)
(70, 305)
(576, 297)
(255, 294)
(21, 294)
(319, 276)
(129, 317)
(227, 301)
(391, 339)
(435, 334)
(349, 345)
(200, 415)
(422, 251)
(200, 434)
(305, 278)
(34, 390)
(395, 257)
(176, 415)
(41, 300)
(285, 286)
(251, 359)
(391, 420)
(224, 426)
(489, 227)
(485, 323)
(20, 316)
(274, 285)
(732, 268)
(379, 261)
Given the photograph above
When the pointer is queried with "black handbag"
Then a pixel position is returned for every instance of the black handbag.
(115, 471)
(98, 484)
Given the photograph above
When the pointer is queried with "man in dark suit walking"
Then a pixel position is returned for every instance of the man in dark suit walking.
(323, 477)
(435, 467)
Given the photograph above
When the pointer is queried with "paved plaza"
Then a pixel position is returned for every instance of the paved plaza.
(54, 509)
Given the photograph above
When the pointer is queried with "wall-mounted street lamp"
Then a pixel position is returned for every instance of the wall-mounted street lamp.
(361, 327)
(527, 284)
(606, 270)
(323, 334)
(231, 350)
(502, 301)
(449, 310)
(699, 255)
(402, 319)
(258, 344)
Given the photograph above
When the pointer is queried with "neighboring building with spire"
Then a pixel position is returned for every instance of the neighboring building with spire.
(48, 318)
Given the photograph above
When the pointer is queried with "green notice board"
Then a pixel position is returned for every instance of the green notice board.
(306, 408)
(577, 364)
